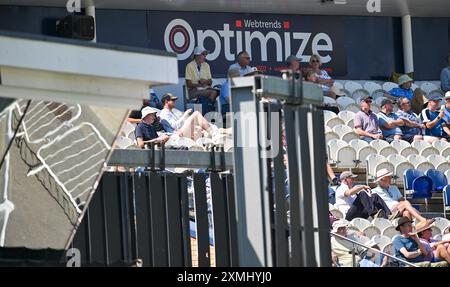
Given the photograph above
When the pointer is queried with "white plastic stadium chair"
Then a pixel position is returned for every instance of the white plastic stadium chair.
(396, 159)
(346, 157)
(416, 159)
(378, 101)
(359, 93)
(363, 154)
(409, 151)
(372, 87)
(370, 231)
(424, 166)
(353, 107)
(400, 144)
(389, 86)
(342, 129)
(442, 223)
(123, 142)
(428, 87)
(352, 86)
(444, 166)
(334, 122)
(389, 232)
(327, 115)
(333, 147)
(331, 136)
(387, 151)
(360, 223)
(420, 145)
(346, 116)
(446, 152)
(350, 136)
(429, 151)
(400, 170)
(351, 123)
(128, 128)
(327, 129)
(379, 144)
(329, 101)
(337, 213)
(344, 102)
(381, 240)
(436, 159)
(441, 145)
(375, 109)
(381, 223)
(373, 161)
(447, 175)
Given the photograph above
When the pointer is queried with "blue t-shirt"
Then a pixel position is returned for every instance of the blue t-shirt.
(407, 131)
(384, 119)
(446, 115)
(400, 92)
(224, 93)
(428, 116)
(145, 131)
(410, 245)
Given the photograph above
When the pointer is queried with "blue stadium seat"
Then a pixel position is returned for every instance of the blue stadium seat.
(438, 177)
(446, 199)
(422, 188)
(409, 175)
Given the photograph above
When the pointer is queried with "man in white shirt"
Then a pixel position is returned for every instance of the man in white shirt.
(358, 201)
(393, 198)
(183, 126)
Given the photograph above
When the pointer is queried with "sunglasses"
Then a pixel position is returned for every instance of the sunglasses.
(407, 103)
(315, 61)
(368, 101)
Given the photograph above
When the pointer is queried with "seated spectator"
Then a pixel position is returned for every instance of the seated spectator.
(341, 250)
(199, 80)
(391, 195)
(436, 250)
(145, 133)
(403, 89)
(310, 76)
(446, 125)
(445, 76)
(243, 62)
(389, 122)
(294, 65)
(408, 246)
(358, 201)
(225, 92)
(184, 126)
(432, 118)
(135, 116)
(322, 76)
(412, 128)
(373, 258)
(366, 122)
(331, 92)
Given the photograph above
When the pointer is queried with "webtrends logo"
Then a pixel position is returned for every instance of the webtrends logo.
(180, 38)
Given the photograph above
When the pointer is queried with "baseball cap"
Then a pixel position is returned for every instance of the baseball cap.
(347, 174)
(386, 101)
(447, 95)
(366, 97)
(434, 97)
(291, 59)
(168, 96)
(200, 50)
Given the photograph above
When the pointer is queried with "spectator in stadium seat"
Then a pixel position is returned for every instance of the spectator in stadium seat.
(408, 246)
(432, 118)
(366, 122)
(322, 75)
(391, 195)
(341, 250)
(445, 76)
(358, 201)
(145, 133)
(403, 89)
(199, 80)
(436, 250)
(372, 258)
(243, 62)
(389, 122)
(412, 128)
(446, 126)
(184, 126)
(225, 91)
(293, 63)
(311, 76)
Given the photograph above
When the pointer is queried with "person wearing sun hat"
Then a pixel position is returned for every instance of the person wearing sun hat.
(437, 250)
(393, 198)
(341, 250)
(408, 246)
(145, 132)
(403, 89)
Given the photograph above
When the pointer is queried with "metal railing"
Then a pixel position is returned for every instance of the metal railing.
(369, 248)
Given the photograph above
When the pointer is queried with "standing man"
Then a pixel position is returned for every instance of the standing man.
(199, 80)
(243, 63)
(445, 76)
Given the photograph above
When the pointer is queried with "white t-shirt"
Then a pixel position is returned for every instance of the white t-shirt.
(170, 121)
(343, 202)
(391, 196)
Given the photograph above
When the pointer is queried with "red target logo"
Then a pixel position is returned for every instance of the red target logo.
(179, 38)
